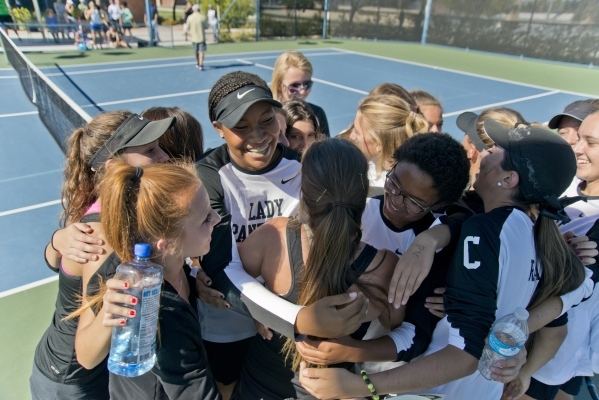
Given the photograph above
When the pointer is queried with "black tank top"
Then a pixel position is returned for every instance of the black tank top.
(265, 374)
(55, 354)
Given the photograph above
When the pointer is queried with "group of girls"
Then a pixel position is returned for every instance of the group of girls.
(323, 242)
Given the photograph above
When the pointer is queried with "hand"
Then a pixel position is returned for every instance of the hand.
(207, 295)
(584, 249)
(115, 304)
(332, 383)
(516, 388)
(263, 330)
(411, 269)
(505, 371)
(333, 316)
(75, 243)
(435, 304)
(327, 352)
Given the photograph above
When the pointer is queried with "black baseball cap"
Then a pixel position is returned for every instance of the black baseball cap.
(467, 123)
(578, 110)
(545, 162)
(234, 105)
(135, 131)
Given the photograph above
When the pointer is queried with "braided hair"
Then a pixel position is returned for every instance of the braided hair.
(228, 84)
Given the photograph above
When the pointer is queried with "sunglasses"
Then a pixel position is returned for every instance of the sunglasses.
(296, 87)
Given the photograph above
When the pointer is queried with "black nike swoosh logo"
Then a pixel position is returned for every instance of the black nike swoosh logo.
(283, 181)
(398, 252)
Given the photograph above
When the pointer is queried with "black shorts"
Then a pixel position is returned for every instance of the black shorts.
(541, 391)
(226, 359)
(199, 47)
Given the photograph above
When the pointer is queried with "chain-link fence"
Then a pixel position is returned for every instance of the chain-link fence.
(291, 18)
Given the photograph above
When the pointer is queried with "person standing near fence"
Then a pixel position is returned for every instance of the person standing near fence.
(213, 22)
(114, 12)
(196, 23)
(153, 20)
(126, 22)
(61, 15)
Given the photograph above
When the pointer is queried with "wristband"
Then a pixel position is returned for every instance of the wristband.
(370, 386)
(52, 241)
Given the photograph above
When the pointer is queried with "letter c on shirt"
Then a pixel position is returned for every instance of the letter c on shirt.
(467, 263)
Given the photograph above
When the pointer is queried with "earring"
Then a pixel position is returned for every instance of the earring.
(222, 136)
(498, 183)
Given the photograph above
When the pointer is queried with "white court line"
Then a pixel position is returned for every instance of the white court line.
(162, 96)
(466, 73)
(317, 80)
(28, 286)
(18, 114)
(30, 175)
(502, 103)
(28, 208)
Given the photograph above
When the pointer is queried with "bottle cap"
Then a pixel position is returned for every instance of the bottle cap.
(144, 250)
(521, 314)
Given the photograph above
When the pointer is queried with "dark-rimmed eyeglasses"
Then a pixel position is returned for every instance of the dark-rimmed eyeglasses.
(393, 188)
(296, 87)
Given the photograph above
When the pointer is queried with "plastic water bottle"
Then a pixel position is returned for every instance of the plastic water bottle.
(507, 337)
(133, 346)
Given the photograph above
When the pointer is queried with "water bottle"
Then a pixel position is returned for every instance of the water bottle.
(133, 346)
(507, 337)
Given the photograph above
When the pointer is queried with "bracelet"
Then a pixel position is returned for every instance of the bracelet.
(52, 241)
(369, 384)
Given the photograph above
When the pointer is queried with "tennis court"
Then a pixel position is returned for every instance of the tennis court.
(31, 162)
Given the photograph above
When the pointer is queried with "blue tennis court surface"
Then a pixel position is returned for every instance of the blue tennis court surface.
(31, 163)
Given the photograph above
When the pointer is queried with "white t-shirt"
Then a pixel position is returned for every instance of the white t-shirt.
(114, 11)
(212, 17)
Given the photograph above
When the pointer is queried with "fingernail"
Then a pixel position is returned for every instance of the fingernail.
(133, 300)
(122, 322)
(390, 300)
(578, 252)
(575, 245)
(222, 296)
(305, 373)
(95, 258)
(100, 251)
(132, 313)
(126, 285)
(228, 306)
(403, 302)
(209, 282)
(570, 241)
(99, 242)
(353, 295)
(581, 258)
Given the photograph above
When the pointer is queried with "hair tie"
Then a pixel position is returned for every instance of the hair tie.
(138, 173)
(340, 204)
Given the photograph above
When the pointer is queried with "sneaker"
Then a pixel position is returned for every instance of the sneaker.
(201, 68)
(198, 66)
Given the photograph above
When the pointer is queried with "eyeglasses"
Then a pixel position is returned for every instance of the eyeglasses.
(394, 189)
(296, 87)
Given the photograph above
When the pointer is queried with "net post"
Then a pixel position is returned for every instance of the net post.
(149, 20)
(325, 20)
(257, 12)
(427, 16)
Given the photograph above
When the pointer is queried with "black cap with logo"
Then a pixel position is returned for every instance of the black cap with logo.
(578, 110)
(135, 131)
(467, 123)
(234, 105)
(544, 161)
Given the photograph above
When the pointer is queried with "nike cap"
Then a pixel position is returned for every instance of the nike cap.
(544, 161)
(467, 123)
(135, 131)
(234, 105)
(578, 110)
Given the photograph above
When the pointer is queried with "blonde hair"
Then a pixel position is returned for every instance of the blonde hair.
(423, 98)
(288, 59)
(506, 116)
(390, 121)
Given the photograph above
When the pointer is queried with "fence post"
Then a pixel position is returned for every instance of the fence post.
(325, 19)
(427, 16)
(257, 20)
(294, 19)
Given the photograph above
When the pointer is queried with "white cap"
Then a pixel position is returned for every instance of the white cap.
(195, 7)
(521, 314)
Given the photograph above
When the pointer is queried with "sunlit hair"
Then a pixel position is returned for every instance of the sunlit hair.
(423, 98)
(393, 89)
(79, 187)
(333, 171)
(288, 59)
(506, 116)
(390, 121)
(185, 139)
(299, 110)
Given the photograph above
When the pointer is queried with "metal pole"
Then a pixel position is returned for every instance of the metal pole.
(325, 19)
(257, 20)
(532, 14)
(294, 19)
(150, 27)
(427, 16)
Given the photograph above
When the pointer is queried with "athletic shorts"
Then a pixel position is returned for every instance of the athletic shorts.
(541, 391)
(96, 27)
(226, 359)
(199, 47)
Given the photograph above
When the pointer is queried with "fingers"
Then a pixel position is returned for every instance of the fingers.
(341, 299)
(568, 235)
(440, 290)
(208, 295)
(397, 285)
(82, 227)
(309, 373)
(204, 277)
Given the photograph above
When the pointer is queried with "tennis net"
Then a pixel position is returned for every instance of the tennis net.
(58, 112)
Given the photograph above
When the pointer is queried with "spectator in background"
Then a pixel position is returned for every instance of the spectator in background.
(92, 14)
(126, 22)
(61, 16)
(213, 22)
(196, 23)
(153, 21)
(568, 121)
(292, 80)
(52, 24)
(430, 108)
(186, 13)
(114, 39)
(114, 13)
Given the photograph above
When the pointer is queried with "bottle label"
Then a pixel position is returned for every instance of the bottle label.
(150, 302)
(501, 348)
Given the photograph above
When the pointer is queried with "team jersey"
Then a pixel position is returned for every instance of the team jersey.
(244, 200)
(494, 270)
